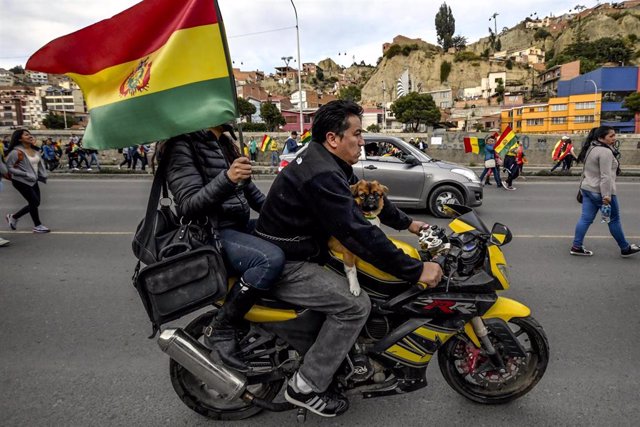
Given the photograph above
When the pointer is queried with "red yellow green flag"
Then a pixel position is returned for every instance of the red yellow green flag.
(266, 143)
(473, 145)
(306, 137)
(156, 70)
(505, 141)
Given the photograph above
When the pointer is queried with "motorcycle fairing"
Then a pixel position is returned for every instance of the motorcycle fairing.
(414, 342)
(468, 222)
(505, 309)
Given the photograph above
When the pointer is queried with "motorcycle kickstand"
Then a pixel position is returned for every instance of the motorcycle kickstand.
(301, 416)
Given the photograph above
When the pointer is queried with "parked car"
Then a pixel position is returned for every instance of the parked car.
(415, 180)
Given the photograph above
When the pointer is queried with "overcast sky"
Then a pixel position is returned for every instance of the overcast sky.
(261, 32)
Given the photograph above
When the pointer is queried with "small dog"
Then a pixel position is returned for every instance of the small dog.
(369, 197)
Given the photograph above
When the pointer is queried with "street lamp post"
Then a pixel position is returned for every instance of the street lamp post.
(595, 101)
(299, 71)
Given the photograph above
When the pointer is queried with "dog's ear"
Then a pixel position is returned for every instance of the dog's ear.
(354, 188)
(385, 189)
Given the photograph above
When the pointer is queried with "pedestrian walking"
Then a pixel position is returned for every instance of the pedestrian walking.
(4, 171)
(291, 145)
(563, 154)
(126, 154)
(253, 149)
(93, 158)
(274, 153)
(26, 168)
(521, 160)
(511, 166)
(598, 189)
(490, 163)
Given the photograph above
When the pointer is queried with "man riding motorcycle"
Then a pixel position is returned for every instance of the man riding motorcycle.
(310, 201)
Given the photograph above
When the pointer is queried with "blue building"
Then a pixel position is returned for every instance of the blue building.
(614, 83)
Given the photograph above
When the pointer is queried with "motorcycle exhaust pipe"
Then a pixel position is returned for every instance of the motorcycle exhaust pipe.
(194, 357)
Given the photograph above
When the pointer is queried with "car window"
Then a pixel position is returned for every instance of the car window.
(384, 151)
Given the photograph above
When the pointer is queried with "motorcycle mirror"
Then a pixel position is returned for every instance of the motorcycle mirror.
(500, 234)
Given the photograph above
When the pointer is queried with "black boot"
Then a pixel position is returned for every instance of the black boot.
(220, 336)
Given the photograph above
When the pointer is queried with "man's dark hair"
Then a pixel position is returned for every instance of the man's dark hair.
(594, 135)
(333, 117)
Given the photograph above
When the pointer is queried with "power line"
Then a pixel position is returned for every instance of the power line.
(260, 32)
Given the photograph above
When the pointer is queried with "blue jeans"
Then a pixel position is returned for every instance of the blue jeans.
(591, 203)
(496, 175)
(274, 158)
(257, 261)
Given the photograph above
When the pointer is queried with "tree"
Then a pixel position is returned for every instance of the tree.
(415, 108)
(459, 42)
(632, 102)
(56, 121)
(445, 70)
(17, 69)
(246, 109)
(498, 45)
(373, 128)
(350, 93)
(319, 74)
(500, 90)
(271, 116)
(445, 26)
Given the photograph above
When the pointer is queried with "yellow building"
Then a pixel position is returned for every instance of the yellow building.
(572, 114)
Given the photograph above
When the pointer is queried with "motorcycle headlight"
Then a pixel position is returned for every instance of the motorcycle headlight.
(470, 175)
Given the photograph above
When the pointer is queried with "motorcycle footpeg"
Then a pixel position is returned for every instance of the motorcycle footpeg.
(301, 415)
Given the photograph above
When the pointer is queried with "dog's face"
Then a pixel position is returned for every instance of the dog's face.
(369, 196)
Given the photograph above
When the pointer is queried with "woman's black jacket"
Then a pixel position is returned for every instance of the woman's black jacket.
(215, 196)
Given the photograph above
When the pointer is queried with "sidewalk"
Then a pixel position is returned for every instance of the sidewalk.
(264, 171)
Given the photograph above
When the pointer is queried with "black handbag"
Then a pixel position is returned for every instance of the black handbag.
(183, 272)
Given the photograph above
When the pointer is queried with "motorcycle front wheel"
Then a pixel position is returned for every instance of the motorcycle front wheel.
(470, 372)
(205, 401)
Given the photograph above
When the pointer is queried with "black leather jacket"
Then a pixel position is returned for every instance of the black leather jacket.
(218, 196)
(310, 201)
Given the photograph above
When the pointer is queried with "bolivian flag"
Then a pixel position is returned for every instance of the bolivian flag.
(505, 141)
(156, 70)
(306, 137)
(266, 143)
(473, 145)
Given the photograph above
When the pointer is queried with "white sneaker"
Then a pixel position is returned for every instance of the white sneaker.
(4, 242)
(13, 222)
(41, 229)
(89, 169)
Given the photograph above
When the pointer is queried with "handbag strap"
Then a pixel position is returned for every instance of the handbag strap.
(159, 183)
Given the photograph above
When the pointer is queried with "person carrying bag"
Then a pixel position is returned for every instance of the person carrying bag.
(210, 179)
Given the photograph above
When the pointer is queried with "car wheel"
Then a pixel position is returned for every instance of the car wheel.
(442, 195)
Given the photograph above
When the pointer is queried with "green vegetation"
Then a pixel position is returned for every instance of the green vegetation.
(373, 128)
(246, 109)
(254, 127)
(541, 34)
(445, 26)
(415, 109)
(632, 102)
(509, 64)
(445, 70)
(593, 54)
(396, 49)
(56, 121)
(466, 56)
(272, 116)
(350, 93)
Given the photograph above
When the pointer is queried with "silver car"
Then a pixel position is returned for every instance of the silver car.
(415, 180)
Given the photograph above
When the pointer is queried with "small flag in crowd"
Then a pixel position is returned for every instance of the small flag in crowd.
(506, 140)
(473, 145)
(306, 137)
(266, 143)
(159, 69)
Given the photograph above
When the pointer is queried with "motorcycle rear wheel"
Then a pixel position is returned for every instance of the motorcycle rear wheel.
(487, 386)
(197, 396)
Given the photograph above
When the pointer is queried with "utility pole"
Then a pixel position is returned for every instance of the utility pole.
(495, 23)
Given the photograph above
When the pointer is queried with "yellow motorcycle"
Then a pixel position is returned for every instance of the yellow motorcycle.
(490, 349)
